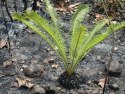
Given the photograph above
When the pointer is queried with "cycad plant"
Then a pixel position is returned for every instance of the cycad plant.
(81, 40)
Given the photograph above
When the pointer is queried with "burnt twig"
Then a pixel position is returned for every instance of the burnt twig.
(34, 7)
(15, 6)
(5, 23)
(25, 4)
(112, 51)
(8, 11)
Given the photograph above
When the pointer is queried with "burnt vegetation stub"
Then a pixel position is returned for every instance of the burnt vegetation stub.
(71, 82)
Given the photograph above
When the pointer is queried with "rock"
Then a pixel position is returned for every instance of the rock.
(53, 78)
(34, 60)
(58, 88)
(123, 57)
(112, 92)
(33, 70)
(48, 49)
(55, 66)
(38, 90)
(63, 91)
(14, 84)
(113, 86)
(52, 52)
(98, 57)
(114, 69)
(122, 44)
(13, 92)
(82, 91)
(50, 59)
(7, 63)
(104, 47)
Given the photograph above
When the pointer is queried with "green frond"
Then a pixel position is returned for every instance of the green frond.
(82, 36)
(98, 38)
(99, 25)
(57, 40)
(33, 27)
(53, 14)
(117, 26)
(75, 26)
(50, 29)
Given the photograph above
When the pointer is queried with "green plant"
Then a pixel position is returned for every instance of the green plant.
(81, 40)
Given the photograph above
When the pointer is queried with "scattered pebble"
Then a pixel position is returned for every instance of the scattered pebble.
(54, 78)
(50, 59)
(14, 84)
(34, 60)
(112, 92)
(114, 69)
(82, 91)
(34, 70)
(114, 86)
(103, 47)
(7, 63)
(55, 66)
(38, 90)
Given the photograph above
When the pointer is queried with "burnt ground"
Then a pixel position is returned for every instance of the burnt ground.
(29, 50)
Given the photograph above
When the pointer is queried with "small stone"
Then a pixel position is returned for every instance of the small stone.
(123, 57)
(58, 88)
(14, 84)
(63, 91)
(48, 49)
(54, 78)
(55, 66)
(24, 57)
(103, 47)
(52, 52)
(50, 59)
(112, 92)
(30, 31)
(34, 60)
(114, 69)
(38, 90)
(82, 91)
(98, 57)
(115, 48)
(114, 87)
(33, 70)
(13, 92)
(7, 63)
(37, 57)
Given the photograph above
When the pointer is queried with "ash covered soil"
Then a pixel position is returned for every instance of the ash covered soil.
(31, 66)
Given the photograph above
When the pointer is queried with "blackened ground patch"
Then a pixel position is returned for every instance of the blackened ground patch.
(71, 82)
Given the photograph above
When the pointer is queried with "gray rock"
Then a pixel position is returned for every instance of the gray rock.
(113, 92)
(82, 91)
(114, 86)
(38, 90)
(114, 69)
(104, 47)
(33, 70)
(50, 59)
